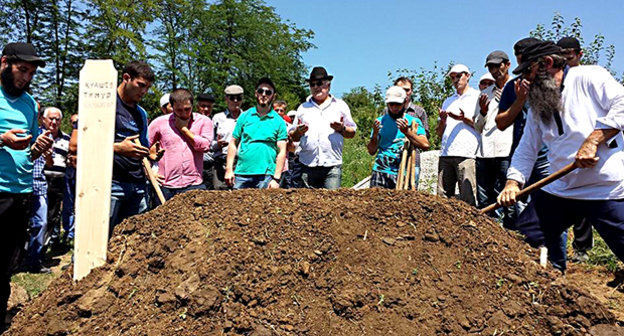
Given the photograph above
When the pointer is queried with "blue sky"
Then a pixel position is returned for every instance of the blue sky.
(359, 41)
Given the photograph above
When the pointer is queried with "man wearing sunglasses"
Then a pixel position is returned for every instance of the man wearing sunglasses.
(261, 134)
(321, 125)
(224, 123)
(579, 114)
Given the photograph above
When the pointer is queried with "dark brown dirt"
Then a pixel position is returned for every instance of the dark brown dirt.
(304, 262)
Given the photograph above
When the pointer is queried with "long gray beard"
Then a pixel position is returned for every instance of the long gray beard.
(545, 97)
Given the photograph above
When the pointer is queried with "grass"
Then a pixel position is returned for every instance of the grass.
(33, 283)
(357, 163)
(601, 255)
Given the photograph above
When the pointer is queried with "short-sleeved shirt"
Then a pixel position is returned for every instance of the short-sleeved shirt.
(321, 145)
(390, 143)
(258, 137)
(129, 121)
(16, 172)
(460, 139)
(224, 123)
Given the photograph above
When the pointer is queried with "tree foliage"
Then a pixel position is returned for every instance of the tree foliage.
(190, 43)
(595, 51)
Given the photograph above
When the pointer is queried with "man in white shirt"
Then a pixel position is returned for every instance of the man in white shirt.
(322, 123)
(579, 114)
(495, 146)
(224, 124)
(460, 140)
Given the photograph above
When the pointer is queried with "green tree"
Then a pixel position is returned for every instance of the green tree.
(594, 50)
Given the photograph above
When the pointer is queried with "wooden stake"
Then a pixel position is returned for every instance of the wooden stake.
(400, 178)
(151, 176)
(408, 168)
(97, 101)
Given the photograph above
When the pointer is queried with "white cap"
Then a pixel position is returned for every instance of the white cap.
(234, 90)
(458, 68)
(164, 100)
(487, 76)
(395, 94)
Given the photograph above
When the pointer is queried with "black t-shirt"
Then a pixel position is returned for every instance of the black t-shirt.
(129, 121)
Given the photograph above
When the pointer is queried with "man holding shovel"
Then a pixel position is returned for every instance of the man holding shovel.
(389, 131)
(579, 114)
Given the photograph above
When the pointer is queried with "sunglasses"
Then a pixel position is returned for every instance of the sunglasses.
(528, 70)
(54, 119)
(264, 91)
(235, 97)
(317, 83)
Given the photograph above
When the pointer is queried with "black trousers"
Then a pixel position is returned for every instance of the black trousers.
(15, 210)
(56, 192)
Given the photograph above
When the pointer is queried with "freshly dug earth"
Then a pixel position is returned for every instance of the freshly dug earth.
(305, 262)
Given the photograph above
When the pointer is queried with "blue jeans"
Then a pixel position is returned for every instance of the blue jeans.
(251, 181)
(322, 177)
(127, 199)
(170, 192)
(68, 202)
(38, 226)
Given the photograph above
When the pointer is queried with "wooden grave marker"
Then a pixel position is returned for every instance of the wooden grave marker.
(96, 129)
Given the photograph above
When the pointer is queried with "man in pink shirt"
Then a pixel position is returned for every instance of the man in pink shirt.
(184, 136)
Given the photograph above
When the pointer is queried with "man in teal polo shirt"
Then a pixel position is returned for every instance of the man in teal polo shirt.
(262, 136)
(20, 144)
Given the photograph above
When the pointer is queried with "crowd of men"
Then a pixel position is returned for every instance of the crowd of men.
(495, 140)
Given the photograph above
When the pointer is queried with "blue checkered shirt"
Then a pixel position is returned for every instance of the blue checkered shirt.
(40, 186)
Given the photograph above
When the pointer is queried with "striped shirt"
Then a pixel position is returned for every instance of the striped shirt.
(59, 156)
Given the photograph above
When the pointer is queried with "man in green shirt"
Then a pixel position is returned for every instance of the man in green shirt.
(261, 134)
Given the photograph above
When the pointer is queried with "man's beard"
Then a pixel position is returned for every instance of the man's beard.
(545, 97)
(8, 83)
(399, 114)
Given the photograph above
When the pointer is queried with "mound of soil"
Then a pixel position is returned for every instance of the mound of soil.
(305, 262)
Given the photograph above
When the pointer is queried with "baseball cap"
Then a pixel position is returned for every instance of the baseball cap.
(569, 43)
(458, 68)
(395, 94)
(234, 90)
(164, 100)
(23, 52)
(496, 57)
(487, 76)
(535, 51)
(523, 44)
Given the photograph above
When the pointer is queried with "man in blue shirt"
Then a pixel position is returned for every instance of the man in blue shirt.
(20, 144)
(129, 187)
(387, 137)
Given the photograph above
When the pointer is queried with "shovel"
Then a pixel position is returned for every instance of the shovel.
(537, 185)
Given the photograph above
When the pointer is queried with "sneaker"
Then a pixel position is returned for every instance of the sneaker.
(579, 257)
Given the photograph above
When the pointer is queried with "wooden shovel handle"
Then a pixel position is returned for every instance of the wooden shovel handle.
(150, 175)
(537, 185)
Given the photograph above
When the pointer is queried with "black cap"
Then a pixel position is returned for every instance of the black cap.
(535, 51)
(23, 52)
(569, 43)
(523, 44)
(267, 81)
(496, 57)
(319, 73)
(206, 97)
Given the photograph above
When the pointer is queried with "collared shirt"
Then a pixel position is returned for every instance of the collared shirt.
(592, 99)
(224, 124)
(459, 138)
(129, 121)
(494, 142)
(16, 167)
(321, 145)
(59, 156)
(182, 164)
(258, 137)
